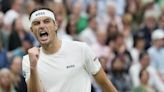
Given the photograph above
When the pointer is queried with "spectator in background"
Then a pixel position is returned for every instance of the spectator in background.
(143, 87)
(134, 8)
(92, 10)
(161, 21)
(162, 6)
(119, 49)
(117, 75)
(120, 6)
(89, 34)
(12, 14)
(2, 36)
(84, 4)
(127, 30)
(29, 6)
(150, 5)
(154, 79)
(81, 20)
(139, 46)
(19, 80)
(17, 35)
(100, 48)
(112, 30)
(156, 52)
(27, 43)
(150, 24)
(71, 31)
(6, 81)
(112, 16)
(3, 57)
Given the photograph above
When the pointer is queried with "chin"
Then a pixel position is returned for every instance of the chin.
(44, 42)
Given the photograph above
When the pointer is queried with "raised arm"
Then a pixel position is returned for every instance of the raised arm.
(33, 83)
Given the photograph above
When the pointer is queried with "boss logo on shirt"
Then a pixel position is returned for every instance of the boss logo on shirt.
(70, 66)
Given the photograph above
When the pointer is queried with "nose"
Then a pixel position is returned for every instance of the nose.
(42, 25)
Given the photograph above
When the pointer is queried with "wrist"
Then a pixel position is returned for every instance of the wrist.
(33, 69)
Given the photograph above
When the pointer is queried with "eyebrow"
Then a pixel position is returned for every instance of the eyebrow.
(47, 19)
(41, 20)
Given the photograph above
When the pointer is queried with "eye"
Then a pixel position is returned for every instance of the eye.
(47, 21)
(35, 23)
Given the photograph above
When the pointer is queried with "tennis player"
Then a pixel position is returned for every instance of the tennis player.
(58, 65)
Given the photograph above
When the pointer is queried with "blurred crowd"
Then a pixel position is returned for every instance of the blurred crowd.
(126, 35)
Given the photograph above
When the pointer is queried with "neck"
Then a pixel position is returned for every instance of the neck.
(52, 47)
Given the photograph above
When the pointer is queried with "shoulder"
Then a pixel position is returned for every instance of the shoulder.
(75, 44)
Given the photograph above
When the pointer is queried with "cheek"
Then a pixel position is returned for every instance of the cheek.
(34, 31)
(52, 28)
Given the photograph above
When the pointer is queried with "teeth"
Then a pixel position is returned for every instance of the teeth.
(42, 32)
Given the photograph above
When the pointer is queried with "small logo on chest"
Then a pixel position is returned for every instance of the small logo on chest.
(70, 66)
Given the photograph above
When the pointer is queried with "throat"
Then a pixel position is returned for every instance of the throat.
(52, 47)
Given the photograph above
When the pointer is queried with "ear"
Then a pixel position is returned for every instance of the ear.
(56, 25)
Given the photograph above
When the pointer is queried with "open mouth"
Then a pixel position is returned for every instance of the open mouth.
(43, 34)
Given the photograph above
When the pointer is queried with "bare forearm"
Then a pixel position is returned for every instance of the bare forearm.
(34, 84)
(108, 87)
(104, 82)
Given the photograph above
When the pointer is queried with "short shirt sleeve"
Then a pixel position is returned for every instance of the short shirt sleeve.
(92, 63)
(26, 67)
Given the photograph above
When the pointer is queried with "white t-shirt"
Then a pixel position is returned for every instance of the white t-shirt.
(68, 70)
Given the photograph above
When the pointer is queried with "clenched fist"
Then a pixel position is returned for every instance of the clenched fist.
(33, 57)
